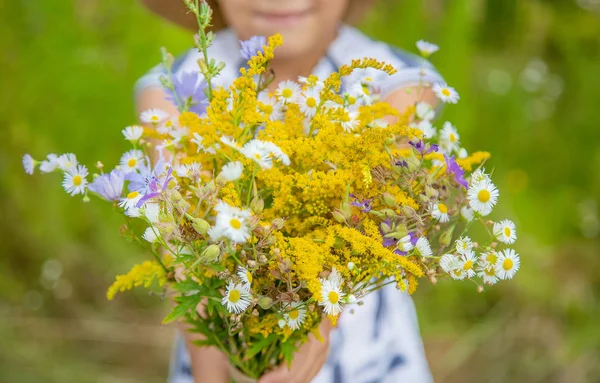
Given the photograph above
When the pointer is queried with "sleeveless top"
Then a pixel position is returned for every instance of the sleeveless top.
(378, 341)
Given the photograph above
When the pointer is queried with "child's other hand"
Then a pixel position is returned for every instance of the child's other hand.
(307, 361)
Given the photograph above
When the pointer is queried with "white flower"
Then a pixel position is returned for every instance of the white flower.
(405, 245)
(449, 138)
(423, 248)
(331, 296)
(446, 93)
(508, 264)
(482, 197)
(467, 264)
(309, 102)
(426, 48)
(131, 160)
(463, 245)
(449, 262)
(424, 111)
(237, 298)
(28, 164)
(288, 92)
(479, 176)
(179, 133)
(362, 91)
(197, 139)
(232, 171)
(462, 153)
(352, 122)
(467, 213)
(67, 161)
(230, 223)
(133, 133)
(295, 316)
(129, 203)
(150, 234)
(49, 164)
(153, 116)
(505, 231)
(151, 211)
(230, 142)
(263, 153)
(488, 271)
(440, 212)
(245, 276)
(427, 128)
(74, 180)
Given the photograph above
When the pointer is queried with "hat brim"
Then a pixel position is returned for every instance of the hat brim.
(176, 12)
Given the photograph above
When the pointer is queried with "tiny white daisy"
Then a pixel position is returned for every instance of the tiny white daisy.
(440, 212)
(446, 93)
(288, 92)
(232, 171)
(426, 48)
(75, 180)
(230, 223)
(133, 133)
(488, 273)
(449, 138)
(331, 297)
(424, 111)
(67, 161)
(508, 264)
(404, 244)
(230, 142)
(131, 160)
(28, 164)
(479, 176)
(467, 213)
(482, 197)
(150, 235)
(309, 102)
(449, 262)
(361, 91)
(505, 231)
(463, 245)
(352, 121)
(467, 264)
(49, 164)
(130, 201)
(153, 116)
(295, 316)
(423, 248)
(245, 276)
(237, 298)
(263, 153)
(427, 128)
(151, 211)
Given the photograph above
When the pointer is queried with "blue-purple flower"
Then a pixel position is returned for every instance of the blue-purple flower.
(454, 168)
(109, 186)
(364, 205)
(141, 180)
(422, 148)
(252, 46)
(189, 89)
(156, 188)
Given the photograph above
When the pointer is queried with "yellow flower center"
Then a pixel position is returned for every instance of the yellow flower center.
(132, 195)
(442, 208)
(492, 258)
(311, 102)
(351, 100)
(154, 118)
(484, 195)
(507, 232)
(294, 314)
(234, 296)
(446, 92)
(286, 93)
(452, 137)
(257, 156)
(468, 265)
(268, 109)
(77, 180)
(169, 124)
(366, 90)
(507, 264)
(333, 297)
(249, 277)
(490, 272)
(131, 163)
(235, 223)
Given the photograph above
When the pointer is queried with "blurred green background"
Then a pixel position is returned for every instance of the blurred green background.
(528, 73)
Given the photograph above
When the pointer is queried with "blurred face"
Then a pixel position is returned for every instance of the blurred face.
(304, 24)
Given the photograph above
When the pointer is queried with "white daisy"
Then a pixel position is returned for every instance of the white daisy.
(74, 180)
(467, 264)
(449, 138)
(151, 211)
(245, 276)
(131, 160)
(67, 161)
(505, 231)
(508, 264)
(263, 153)
(446, 93)
(479, 176)
(482, 197)
(352, 121)
(440, 212)
(133, 133)
(28, 164)
(424, 111)
(463, 245)
(150, 235)
(295, 316)
(426, 48)
(288, 92)
(404, 244)
(49, 164)
(309, 102)
(427, 128)
(488, 273)
(230, 142)
(423, 248)
(153, 116)
(237, 298)
(232, 171)
(230, 223)
(331, 296)
(467, 213)
(362, 91)
(197, 139)
(128, 203)
(449, 262)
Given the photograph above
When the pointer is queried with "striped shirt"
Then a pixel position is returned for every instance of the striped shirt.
(378, 341)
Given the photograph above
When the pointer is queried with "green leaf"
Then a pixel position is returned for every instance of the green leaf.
(184, 304)
(260, 345)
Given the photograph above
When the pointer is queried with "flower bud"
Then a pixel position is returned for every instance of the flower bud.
(278, 223)
(211, 253)
(388, 199)
(385, 228)
(446, 237)
(350, 265)
(389, 141)
(338, 216)
(257, 205)
(346, 209)
(431, 192)
(265, 303)
(200, 225)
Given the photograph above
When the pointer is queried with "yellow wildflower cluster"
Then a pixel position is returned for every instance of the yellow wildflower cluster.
(140, 275)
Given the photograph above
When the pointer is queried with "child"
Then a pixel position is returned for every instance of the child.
(380, 341)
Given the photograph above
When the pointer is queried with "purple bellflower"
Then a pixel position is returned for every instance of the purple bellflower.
(454, 168)
(109, 186)
(189, 89)
(252, 46)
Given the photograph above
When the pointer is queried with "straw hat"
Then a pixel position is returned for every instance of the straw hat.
(176, 11)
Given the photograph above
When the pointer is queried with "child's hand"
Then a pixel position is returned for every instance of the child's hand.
(307, 361)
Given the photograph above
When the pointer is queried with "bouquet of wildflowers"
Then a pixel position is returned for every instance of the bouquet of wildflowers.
(268, 213)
